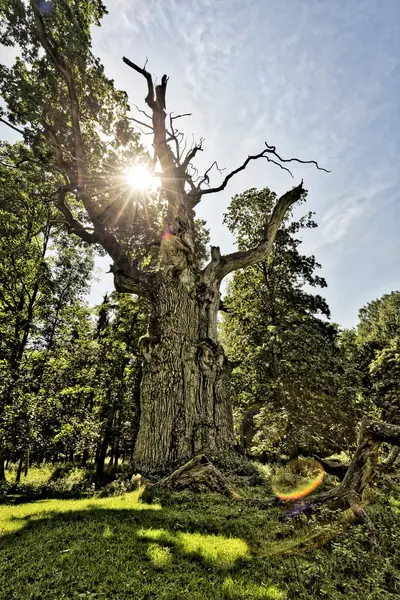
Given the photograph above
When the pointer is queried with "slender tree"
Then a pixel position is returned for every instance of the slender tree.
(60, 98)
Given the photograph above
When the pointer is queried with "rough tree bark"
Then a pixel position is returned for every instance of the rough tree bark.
(184, 400)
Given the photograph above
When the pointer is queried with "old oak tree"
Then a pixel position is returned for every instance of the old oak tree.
(76, 123)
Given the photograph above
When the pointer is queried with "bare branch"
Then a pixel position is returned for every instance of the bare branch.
(150, 100)
(143, 132)
(141, 111)
(271, 160)
(230, 175)
(174, 138)
(205, 178)
(192, 153)
(182, 115)
(141, 123)
(264, 154)
(195, 171)
(185, 145)
(21, 131)
(272, 150)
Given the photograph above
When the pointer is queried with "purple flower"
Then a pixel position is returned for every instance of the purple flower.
(296, 511)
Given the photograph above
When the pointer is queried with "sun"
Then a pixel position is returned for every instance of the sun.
(140, 178)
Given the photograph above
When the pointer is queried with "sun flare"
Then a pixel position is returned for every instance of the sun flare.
(140, 178)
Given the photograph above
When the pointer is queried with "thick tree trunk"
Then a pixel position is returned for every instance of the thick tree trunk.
(184, 397)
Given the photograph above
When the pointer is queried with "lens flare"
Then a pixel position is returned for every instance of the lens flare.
(140, 178)
(297, 479)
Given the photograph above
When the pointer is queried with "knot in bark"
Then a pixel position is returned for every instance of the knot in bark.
(211, 356)
(146, 345)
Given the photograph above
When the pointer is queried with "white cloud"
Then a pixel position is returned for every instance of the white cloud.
(338, 219)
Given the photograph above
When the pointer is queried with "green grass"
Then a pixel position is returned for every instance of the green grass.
(36, 477)
(194, 546)
(48, 481)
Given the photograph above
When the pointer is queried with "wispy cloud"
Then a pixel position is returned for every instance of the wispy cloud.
(338, 219)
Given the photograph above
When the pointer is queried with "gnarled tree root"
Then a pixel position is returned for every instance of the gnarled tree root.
(197, 473)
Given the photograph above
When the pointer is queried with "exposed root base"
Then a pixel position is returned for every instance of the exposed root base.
(197, 474)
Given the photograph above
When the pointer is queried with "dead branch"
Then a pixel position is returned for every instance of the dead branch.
(192, 153)
(272, 150)
(205, 178)
(200, 473)
(270, 160)
(150, 87)
(339, 470)
(21, 131)
(141, 123)
(141, 111)
(362, 469)
(264, 154)
(174, 137)
(333, 467)
(180, 116)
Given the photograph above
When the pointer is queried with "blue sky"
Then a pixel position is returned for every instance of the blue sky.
(319, 79)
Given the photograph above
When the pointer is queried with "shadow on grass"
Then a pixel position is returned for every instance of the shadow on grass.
(34, 496)
(198, 547)
(104, 550)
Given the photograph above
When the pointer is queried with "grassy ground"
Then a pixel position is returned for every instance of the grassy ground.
(192, 546)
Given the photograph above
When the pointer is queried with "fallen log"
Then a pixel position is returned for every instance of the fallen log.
(362, 469)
